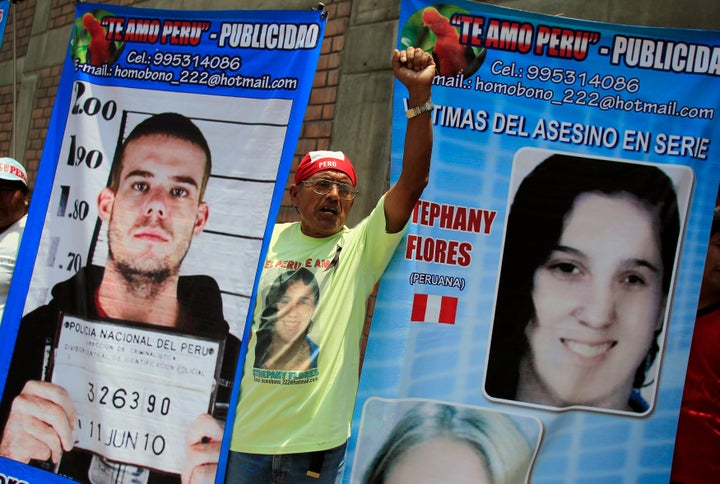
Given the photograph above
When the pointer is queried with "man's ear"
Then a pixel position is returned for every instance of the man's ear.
(293, 190)
(106, 199)
(203, 212)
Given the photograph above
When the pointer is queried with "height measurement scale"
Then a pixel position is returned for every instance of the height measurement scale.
(83, 169)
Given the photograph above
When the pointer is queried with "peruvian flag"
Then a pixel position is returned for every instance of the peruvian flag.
(434, 309)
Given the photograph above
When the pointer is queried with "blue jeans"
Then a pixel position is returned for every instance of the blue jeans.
(245, 468)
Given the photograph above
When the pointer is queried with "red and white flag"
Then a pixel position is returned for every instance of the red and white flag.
(434, 309)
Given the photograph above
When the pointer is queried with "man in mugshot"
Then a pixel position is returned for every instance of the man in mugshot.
(153, 208)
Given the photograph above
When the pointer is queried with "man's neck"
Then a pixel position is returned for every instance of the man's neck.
(4, 228)
(152, 303)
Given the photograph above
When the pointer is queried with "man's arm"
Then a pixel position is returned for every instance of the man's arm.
(415, 69)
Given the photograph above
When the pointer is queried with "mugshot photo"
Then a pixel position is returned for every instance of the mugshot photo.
(145, 314)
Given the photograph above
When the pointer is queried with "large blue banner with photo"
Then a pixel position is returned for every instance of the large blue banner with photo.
(158, 178)
(551, 270)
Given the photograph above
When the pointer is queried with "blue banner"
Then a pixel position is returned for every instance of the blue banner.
(4, 12)
(551, 270)
(136, 270)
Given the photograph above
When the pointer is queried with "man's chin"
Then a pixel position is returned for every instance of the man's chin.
(328, 216)
(330, 225)
(145, 270)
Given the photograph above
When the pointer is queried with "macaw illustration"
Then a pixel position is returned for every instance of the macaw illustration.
(100, 50)
(450, 55)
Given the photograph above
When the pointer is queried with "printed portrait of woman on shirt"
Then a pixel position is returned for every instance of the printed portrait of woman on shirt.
(283, 342)
(585, 279)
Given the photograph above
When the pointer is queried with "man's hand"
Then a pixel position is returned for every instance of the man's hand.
(413, 67)
(203, 440)
(40, 424)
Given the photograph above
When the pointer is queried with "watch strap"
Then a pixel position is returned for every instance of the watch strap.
(423, 108)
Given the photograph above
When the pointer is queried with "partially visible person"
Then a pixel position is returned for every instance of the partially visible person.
(587, 265)
(292, 426)
(14, 200)
(283, 341)
(697, 443)
(153, 208)
(436, 442)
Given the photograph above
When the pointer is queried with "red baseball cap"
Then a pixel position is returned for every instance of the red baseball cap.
(316, 161)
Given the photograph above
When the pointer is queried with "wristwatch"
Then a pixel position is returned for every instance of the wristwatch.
(423, 108)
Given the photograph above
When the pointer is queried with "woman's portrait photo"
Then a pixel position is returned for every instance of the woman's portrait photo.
(282, 338)
(583, 296)
(423, 442)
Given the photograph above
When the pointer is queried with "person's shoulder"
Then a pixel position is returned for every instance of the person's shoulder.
(70, 296)
(198, 283)
(88, 276)
(379, 208)
(282, 228)
(10, 237)
(19, 225)
(200, 295)
(374, 218)
(285, 233)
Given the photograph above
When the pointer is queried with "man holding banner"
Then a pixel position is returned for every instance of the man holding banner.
(131, 313)
(292, 424)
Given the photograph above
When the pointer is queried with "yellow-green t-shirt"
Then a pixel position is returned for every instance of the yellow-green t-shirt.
(300, 379)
